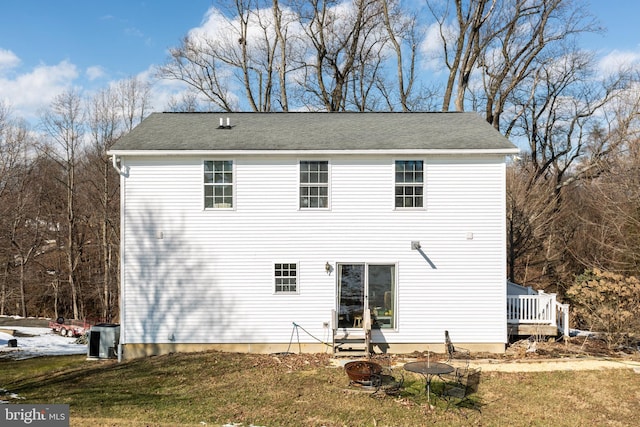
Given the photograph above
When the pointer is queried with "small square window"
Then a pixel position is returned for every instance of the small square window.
(286, 278)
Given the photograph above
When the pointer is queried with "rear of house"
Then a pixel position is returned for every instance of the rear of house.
(268, 232)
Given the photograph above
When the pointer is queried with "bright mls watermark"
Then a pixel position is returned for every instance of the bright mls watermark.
(34, 415)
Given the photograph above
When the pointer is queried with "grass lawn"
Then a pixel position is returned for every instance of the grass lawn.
(303, 390)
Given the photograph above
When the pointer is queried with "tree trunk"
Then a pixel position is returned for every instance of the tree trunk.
(22, 289)
(3, 288)
(106, 274)
(71, 246)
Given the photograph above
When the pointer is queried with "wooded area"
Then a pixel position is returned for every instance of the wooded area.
(573, 196)
(59, 204)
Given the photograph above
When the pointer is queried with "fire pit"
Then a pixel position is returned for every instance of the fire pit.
(361, 371)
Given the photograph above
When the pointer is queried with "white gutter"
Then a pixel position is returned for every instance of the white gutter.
(502, 151)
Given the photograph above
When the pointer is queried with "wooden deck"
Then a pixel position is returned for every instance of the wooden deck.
(532, 330)
(537, 314)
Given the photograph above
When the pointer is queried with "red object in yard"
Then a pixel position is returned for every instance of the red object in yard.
(70, 328)
(362, 370)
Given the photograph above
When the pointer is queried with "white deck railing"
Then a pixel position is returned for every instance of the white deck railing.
(562, 318)
(539, 309)
(531, 309)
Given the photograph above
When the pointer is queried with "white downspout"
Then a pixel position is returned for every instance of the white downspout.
(114, 162)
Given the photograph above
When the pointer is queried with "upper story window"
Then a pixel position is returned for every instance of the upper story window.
(218, 184)
(314, 184)
(409, 184)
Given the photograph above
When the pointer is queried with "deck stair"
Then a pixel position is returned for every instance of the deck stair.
(352, 342)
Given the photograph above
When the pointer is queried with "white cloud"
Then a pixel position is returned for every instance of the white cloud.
(431, 47)
(8, 59)
(29, 92)
(619, 60)
(95, 72)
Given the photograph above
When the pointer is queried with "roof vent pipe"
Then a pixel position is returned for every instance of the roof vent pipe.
(223, 126)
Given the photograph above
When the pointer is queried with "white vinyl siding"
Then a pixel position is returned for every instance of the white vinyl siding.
(188, 274)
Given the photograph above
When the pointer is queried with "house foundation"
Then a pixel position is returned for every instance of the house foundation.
(134, 351)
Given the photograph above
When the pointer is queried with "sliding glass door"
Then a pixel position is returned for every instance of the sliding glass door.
(366, 285)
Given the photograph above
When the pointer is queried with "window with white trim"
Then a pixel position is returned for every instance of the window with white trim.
(286, 278)
(409, 188)
(314, 184)
(218, 184)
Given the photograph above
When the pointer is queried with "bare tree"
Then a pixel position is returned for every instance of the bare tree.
(575, 127)
(562, 104)
(27, 228)
(607, 208)
(503, 42)
(250, 48)
(318, 54)
(337, 38)
(529, 217)
(463, 45)
(529, 34)
(281, 28)
(111, 113)
(132, 97)
(186, 102)
(195, 64)
(18, 197)
(403, 35)
(105, 125)
(64, 125)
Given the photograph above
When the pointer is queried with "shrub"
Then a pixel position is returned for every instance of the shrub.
(607, 303)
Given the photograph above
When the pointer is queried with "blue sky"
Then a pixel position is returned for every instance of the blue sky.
(47, 46)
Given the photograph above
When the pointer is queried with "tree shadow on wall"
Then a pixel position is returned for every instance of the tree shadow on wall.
(172, 295)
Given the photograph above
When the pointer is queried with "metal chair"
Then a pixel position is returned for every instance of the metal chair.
(455, 353)
(462, 388)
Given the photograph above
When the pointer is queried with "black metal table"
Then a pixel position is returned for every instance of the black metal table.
(428, 369)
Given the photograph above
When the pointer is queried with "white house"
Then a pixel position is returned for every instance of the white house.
(264, 232)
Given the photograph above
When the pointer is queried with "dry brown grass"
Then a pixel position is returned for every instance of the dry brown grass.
(304, 390)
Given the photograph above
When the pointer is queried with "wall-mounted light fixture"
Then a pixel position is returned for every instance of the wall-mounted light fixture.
(415, 245)
(327, 268)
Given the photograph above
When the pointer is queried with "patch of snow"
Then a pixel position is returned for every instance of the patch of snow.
(580, 333)
(38, 342)
(6, 393)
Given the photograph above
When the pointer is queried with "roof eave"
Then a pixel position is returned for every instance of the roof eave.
(426, 151)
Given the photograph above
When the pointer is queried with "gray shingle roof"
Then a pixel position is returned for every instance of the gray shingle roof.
(313, 131)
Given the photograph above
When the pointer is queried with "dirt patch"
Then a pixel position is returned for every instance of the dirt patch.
(576, 353)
